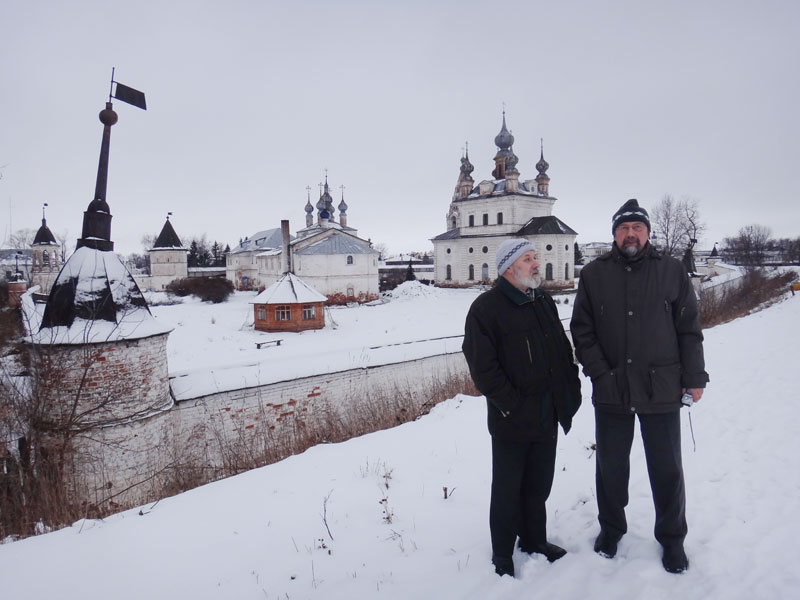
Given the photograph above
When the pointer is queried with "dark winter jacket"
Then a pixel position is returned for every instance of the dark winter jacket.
(521, 360)
(636, 331)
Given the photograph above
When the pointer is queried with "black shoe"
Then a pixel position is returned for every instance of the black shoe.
(674, 559)
(503, 565)
(606, 544)
(550, 551)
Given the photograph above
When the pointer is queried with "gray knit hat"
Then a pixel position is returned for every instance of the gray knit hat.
(509, 251)
(629, 212)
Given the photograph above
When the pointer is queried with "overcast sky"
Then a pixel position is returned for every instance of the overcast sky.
(250, 101)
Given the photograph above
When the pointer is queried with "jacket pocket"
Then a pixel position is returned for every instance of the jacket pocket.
(604, 389)
(665, 384)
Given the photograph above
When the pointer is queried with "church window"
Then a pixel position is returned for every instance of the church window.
(485, 218)
(471, 272)
(449, 275)
(349, 260)
(472, 220)
(448, 250)
(566, 271)
(309, 312)
(549, 247)
(499, 218)
(548, 272)
(283, 312)
(470, 250)
(45, 258)
(485, 271)
(351, 293)
(453, 223)
(566, 247)
(485, 249)
(261, 313)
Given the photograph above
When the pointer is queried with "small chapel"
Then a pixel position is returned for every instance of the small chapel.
(483, 216)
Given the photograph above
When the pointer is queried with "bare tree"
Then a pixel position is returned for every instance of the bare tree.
(21, 239)
(676, 224)
(749, 247)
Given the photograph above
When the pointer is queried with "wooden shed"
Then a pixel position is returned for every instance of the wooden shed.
(289, 304)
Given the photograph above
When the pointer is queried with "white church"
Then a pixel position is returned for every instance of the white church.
(483, 216)
(327, 254)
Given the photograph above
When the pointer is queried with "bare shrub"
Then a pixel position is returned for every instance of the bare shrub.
(757, 290)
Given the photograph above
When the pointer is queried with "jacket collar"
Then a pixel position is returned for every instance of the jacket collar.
(514, 294)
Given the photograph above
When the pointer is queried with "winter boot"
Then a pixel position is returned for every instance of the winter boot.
(550, 551)
(675, 559)
(606, 544)
(503, 565)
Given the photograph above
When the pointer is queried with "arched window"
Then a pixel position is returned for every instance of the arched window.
(472, 220)
(499, 218)
(349, 260)
(548, 272)
(485, 218)
(453, 223)
(566, 271)
(485, 271)
(449, 274)
(45, 259)
(471, 272)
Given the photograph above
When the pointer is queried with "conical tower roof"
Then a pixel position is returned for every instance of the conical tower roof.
(167, 239)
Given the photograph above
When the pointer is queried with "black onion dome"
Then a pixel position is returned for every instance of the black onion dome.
(542, 165)
(511, 161)
(44, 235)
(504, 140)
(466, 167)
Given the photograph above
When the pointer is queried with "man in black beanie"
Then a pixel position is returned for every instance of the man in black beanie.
(636, 331)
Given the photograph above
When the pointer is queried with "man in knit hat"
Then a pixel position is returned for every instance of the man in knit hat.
(637, 334)
(521, 360)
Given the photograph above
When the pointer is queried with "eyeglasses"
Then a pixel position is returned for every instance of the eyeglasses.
(635, 227)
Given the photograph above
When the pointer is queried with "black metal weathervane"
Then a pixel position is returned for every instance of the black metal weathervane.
(96, 231)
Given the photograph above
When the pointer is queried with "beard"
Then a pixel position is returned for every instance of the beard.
(631, 250)
(529, 281)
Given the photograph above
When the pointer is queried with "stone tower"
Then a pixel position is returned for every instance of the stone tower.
(168, 258)
(46, 257)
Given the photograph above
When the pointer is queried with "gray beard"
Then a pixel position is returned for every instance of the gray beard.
(528, 282)
(631, 250)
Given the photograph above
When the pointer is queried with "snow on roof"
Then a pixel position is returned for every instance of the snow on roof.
(289, 289)
(338, 243)
(93, 299)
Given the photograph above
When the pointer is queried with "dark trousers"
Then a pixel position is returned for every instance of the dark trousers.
(661, 436)
(522, 477)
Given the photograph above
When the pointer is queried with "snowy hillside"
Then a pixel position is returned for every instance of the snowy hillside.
(368, 519)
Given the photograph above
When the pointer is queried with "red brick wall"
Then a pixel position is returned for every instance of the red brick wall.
(296, 323)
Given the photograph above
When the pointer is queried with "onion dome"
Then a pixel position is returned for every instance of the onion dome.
(542, 165)
(504, 140)
(466, 167)
(511, 162)
(342, 206)
(309, 208)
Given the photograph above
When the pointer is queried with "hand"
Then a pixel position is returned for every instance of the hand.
(696, 393)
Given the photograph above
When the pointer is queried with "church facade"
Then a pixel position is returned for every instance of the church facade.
(326, 253)
(483, 216)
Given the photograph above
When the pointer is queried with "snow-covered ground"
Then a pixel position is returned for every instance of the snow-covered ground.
(316, 526)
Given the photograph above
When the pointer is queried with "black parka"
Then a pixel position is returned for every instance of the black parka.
(521, 360)
(636, 331)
